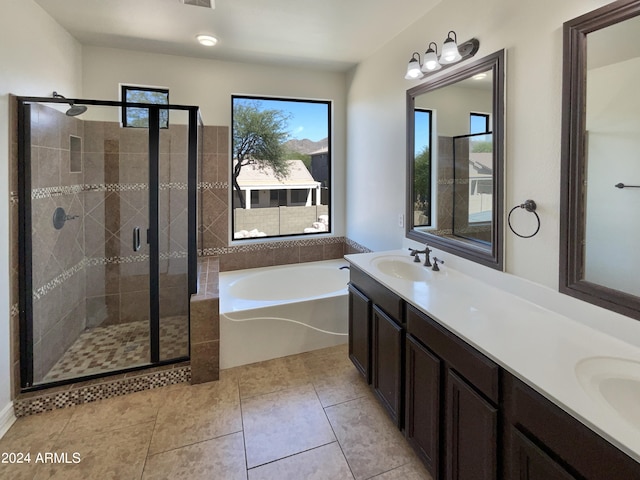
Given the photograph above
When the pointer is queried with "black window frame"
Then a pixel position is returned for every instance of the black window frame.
(329, 105)
(487, 122)
(125, 88)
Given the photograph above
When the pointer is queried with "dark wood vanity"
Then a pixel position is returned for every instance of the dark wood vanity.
(466, 416)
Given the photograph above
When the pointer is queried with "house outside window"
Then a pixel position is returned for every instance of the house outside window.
(281, 167)
(133, 117)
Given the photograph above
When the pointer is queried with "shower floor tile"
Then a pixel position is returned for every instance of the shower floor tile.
(114, 347)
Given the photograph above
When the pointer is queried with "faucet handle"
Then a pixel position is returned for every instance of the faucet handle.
(412, 252)
(436, 261)
(417, 257)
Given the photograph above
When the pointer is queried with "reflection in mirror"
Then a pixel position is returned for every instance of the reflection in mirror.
(454, 123)
(600, 227)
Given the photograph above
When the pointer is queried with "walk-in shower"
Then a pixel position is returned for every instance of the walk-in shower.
(107, 240)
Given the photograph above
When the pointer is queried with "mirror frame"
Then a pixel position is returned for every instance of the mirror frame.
(573, 164)
(492, 257)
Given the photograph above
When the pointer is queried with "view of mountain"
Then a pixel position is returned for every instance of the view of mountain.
(306, 146)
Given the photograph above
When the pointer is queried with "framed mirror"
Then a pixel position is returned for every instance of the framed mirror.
(455, 144)
(599, 219)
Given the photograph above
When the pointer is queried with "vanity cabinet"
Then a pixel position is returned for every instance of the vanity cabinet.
(543, 442)
(452, 397)
(376, 339)
(360, 331)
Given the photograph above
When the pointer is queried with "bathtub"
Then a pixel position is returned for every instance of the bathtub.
(273, 312)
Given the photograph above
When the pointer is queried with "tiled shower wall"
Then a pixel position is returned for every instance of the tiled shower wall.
(58, 255)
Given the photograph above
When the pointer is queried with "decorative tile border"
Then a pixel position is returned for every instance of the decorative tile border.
(51, 192)
(256, 247)
(357, 246)
(15, 310)
(91, 393)
(212, 185)
(59, 279)
(99, 261)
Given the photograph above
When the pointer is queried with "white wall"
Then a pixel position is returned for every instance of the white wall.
(36, 57)
(210, 84)
(531, 33)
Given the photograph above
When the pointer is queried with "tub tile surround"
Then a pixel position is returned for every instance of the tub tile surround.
(485, 311)
(213, 430)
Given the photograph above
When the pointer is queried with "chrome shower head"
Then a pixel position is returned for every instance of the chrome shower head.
(75, 109)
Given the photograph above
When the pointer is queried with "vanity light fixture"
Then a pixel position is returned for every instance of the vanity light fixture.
(207, 40)
(431, 63)
(451, 53)
(413, 69)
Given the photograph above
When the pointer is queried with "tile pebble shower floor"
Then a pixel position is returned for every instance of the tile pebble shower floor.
(114, 347)
(299, 417)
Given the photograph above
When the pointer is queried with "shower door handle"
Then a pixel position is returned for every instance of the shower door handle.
(136, 239)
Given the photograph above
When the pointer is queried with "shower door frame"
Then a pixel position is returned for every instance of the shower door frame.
(25, 254)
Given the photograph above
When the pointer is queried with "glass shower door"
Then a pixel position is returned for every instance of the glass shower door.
(107, 258)
(89, 259)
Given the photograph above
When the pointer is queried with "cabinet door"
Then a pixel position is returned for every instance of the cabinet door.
(422, 404)
(472, 438)
(360, 331)
(387, 363)
(530, 463)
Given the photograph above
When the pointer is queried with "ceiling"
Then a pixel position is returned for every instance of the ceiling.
(327, 34)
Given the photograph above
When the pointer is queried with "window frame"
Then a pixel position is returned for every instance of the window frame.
(124, 88)
(330, 158)
(487, 122)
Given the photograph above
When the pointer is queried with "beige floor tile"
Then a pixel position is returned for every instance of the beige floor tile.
(335, 378)
(322, 463)
(114, 455)
(369, 440)
(283, 423)
(194, 413)
(410, 471)
(33, 434)
(221, 458)
(113, 413)
(271, 376)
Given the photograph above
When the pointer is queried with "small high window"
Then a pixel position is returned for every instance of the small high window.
(139, 117)
(479, 123)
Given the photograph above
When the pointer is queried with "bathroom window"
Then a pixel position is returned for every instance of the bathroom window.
(422, 168)
(139, 117)
(479, 123)
(281, 167)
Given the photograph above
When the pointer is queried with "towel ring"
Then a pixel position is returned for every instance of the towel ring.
(529, 206)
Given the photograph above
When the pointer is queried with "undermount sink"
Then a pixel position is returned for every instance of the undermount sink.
(401, 267)
(614, 382)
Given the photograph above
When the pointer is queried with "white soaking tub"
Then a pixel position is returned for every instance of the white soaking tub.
(273, 312)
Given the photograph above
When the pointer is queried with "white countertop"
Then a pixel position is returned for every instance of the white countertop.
(540, 347)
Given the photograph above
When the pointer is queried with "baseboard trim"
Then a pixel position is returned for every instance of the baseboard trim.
(7, 418)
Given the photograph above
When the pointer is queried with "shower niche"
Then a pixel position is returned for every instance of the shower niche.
(107, 240)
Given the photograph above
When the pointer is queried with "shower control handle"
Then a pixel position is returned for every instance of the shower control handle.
(136, 239)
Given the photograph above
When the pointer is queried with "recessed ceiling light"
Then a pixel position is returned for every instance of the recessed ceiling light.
(207, 40)
(479, 76)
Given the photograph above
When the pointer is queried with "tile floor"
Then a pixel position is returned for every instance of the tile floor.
(114, 347)
(308, 416)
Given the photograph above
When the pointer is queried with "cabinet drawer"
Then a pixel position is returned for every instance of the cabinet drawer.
(481, 372)
(391, 303)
